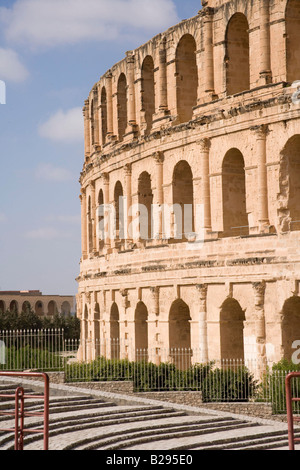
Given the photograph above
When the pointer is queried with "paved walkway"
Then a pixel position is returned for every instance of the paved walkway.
(93, 420)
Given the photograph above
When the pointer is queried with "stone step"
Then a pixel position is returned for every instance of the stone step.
(98, 418)
(150, 429)
(137, 440)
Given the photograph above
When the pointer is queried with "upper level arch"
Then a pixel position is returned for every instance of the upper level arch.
(292, 18)
(237, 58)
(148, 92)
(103, 107)
(186, 77)
(122, 106)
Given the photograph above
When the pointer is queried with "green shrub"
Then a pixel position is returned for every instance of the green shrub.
(27, 358)
(272, 386)
(226, 385)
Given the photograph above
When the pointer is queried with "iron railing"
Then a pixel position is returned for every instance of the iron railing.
(20, 412)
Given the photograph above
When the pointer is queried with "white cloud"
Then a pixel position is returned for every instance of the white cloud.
(11, 68)
(64, 126)
(65, 219)
(48, 23)
(46, 233)
(49, 172)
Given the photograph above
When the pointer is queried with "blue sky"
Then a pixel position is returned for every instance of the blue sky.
(51, 54)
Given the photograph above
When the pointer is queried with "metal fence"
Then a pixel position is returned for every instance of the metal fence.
(157, 369)
(32, 350)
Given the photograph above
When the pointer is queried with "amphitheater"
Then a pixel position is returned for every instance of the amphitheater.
(190, 190)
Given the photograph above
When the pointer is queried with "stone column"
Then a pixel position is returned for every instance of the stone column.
(93, 217)
(131, 93)
(163, 90)
(208, 15)
(110, 128)
(107, 240)
(202, 296)
(87, 140)
(128, 203)
(83, 223)
(159, 196)
(262, 182)
(260, 325)
(265, 46)
(205, 183)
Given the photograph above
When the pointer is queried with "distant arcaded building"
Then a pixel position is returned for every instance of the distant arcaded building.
(34, 300)
(190, 189)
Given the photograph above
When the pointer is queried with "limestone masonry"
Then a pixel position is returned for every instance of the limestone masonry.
(190, 189)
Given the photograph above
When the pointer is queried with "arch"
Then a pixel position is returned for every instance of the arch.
(97, 329)
(66, 308)
(290, 326)
(289, 198)
(186, 78)
(103, 115)
(235, 217)
(145, 199)
(114, 332)
(122, 106)
(237, 55)
(232, 319)
(119, 211)
(2, 306)
(148, 91)
(90, 225)
(85, 331)
(180, 334)
(183, 200)
(26, 307)
(52, 308)
(292, 18)
(13, 306)
(101, 221)
(39, 308)
(141, 331)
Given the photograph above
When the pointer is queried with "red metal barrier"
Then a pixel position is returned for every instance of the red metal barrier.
(19, 413)
(291, 419)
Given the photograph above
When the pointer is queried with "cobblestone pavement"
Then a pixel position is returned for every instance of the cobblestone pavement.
(85, 420)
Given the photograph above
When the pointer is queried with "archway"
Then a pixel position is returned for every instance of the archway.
(180, 334)
(114, 332)
(235, 217)
(26, 307)
(292, 40)
(290, 326)
(13, 306)
(183, 201)
(232, 319)
(100, 231)
(145, 199)
(122, 106)
(39, 309)
(2, 306)
(237, 55)
(186, 78)
(289, 198)
(52, 308)
(119, 212)
(141, 331)
(103, 115)
(148, 93)
(66, 309)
